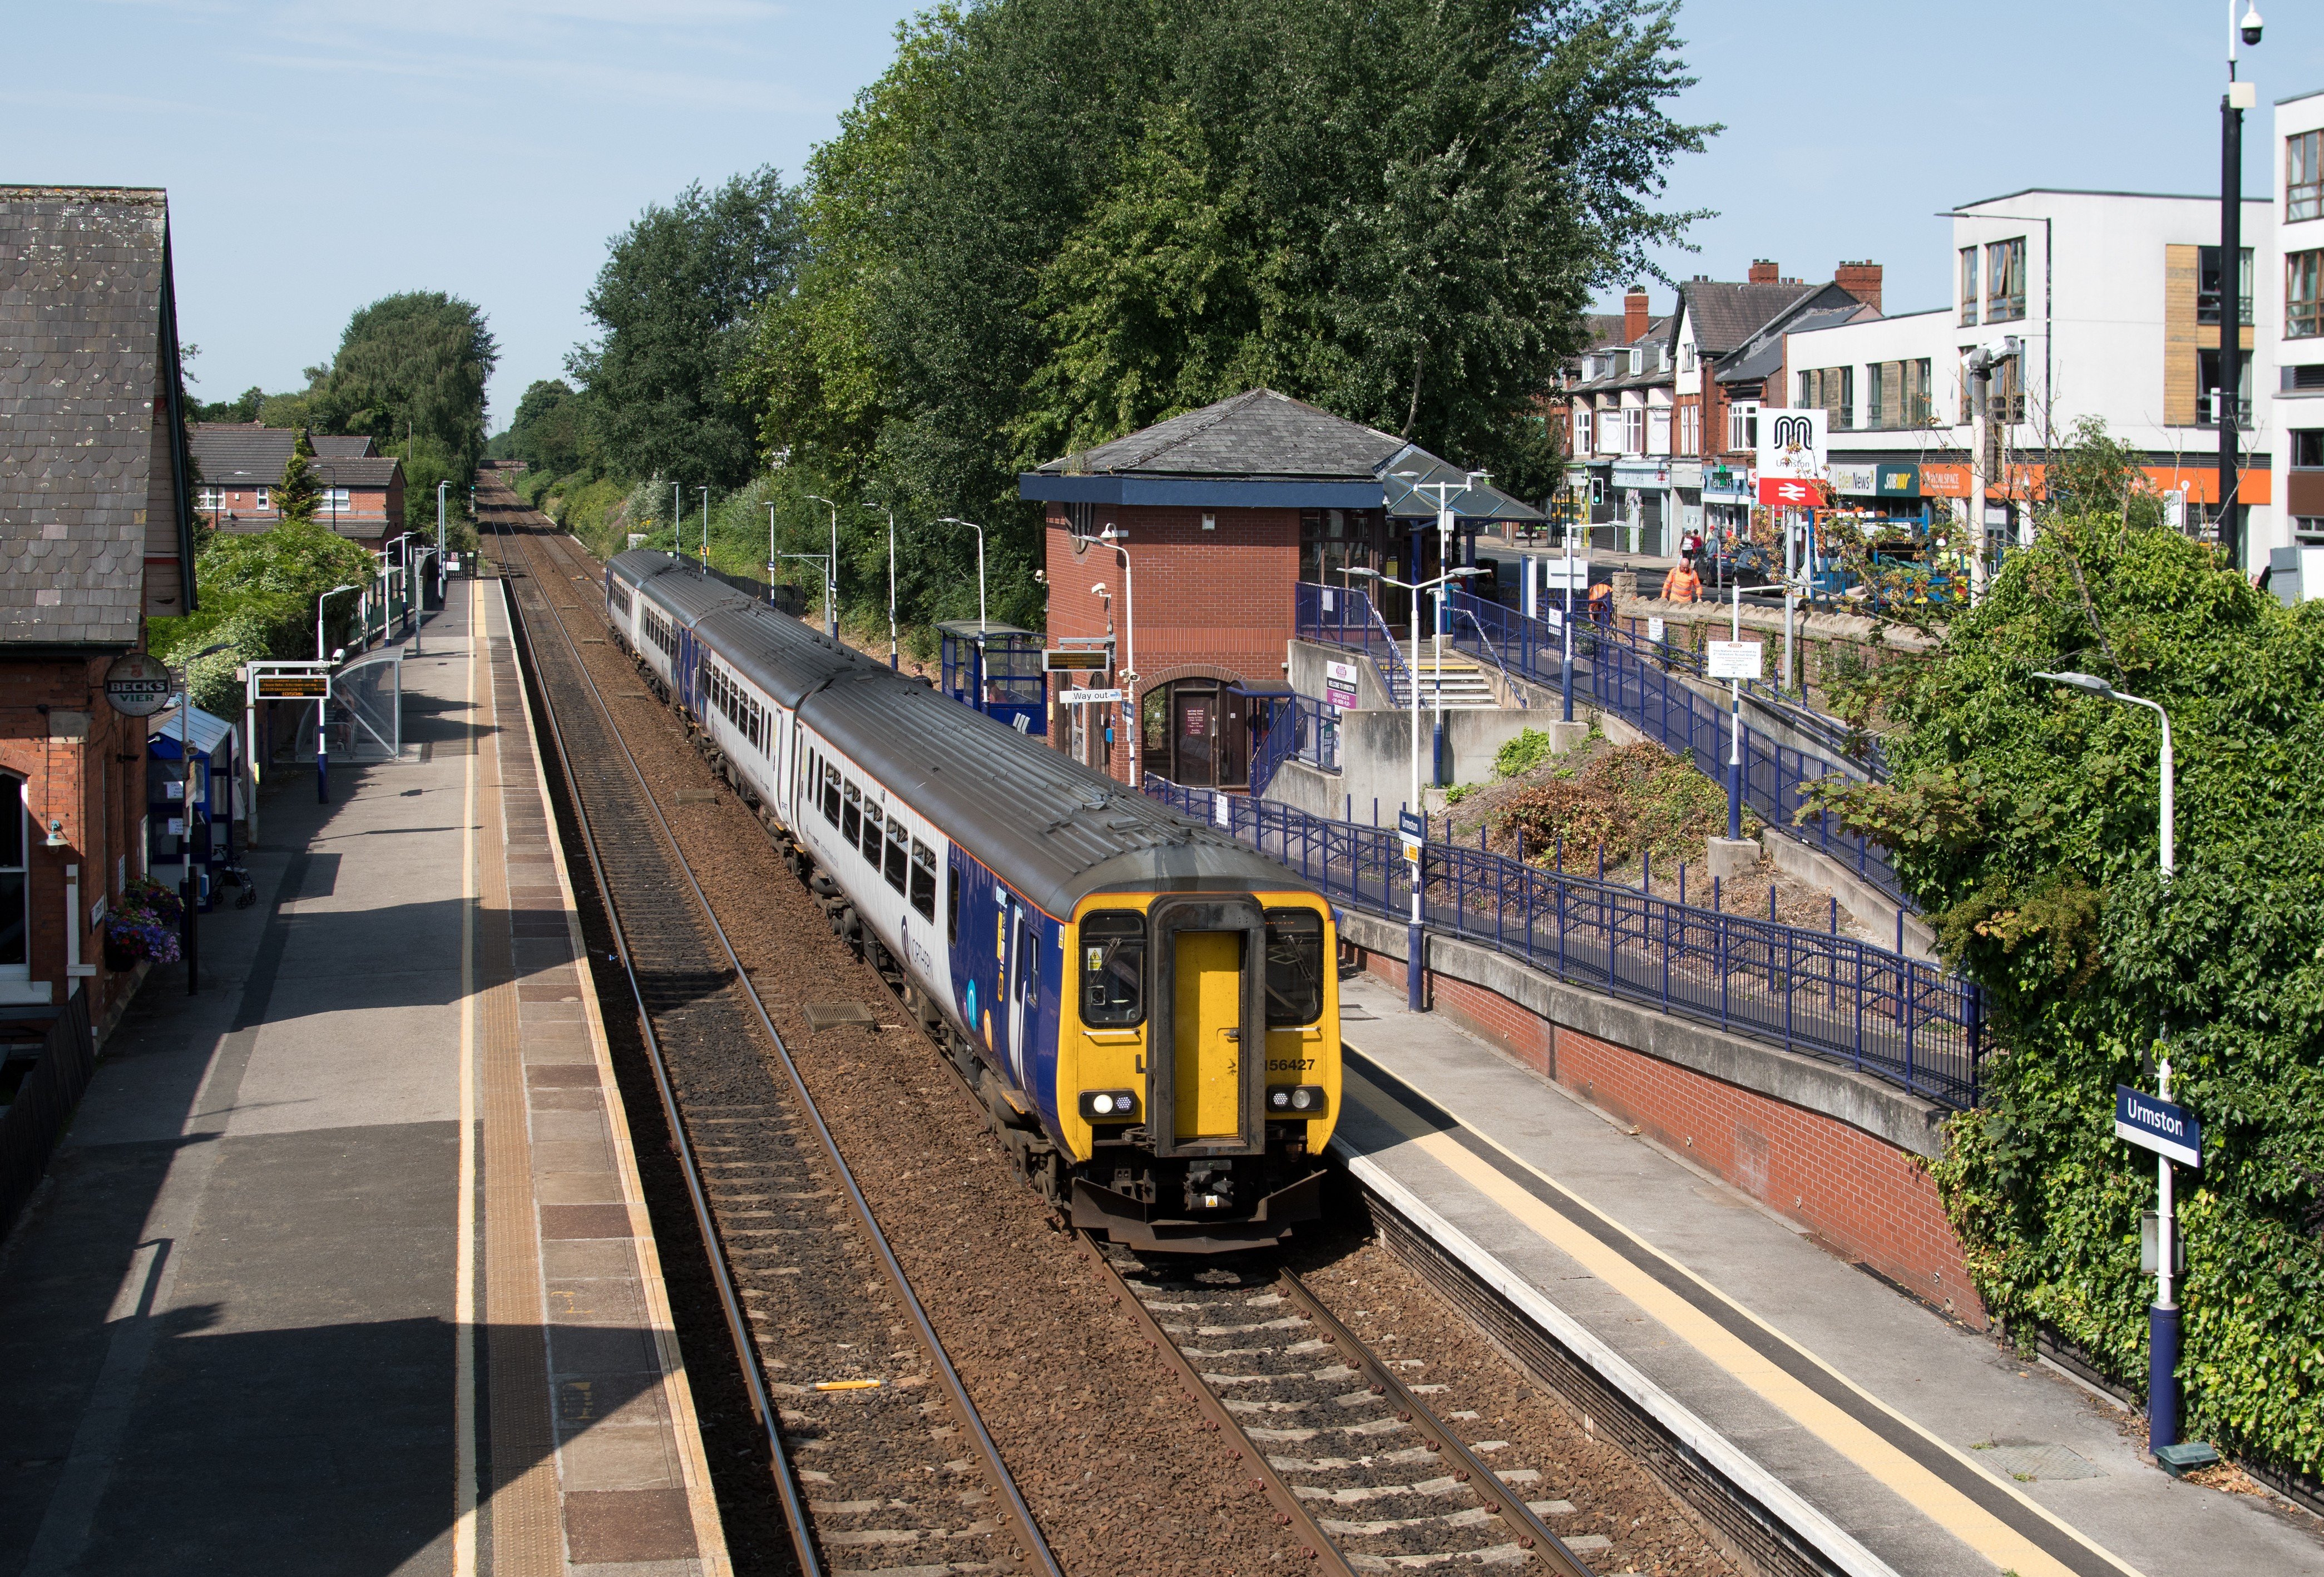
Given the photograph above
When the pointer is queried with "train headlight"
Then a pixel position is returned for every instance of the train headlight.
(1108, 1106)
(1306, 1100)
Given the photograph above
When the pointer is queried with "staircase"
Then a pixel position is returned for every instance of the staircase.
(1462, 684)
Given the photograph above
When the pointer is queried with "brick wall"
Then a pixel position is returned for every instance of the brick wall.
(70, 760)
(1864, 1198)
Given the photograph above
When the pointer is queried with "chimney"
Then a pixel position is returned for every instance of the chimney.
(1860, 279)
(1763, 272)
(1634, 315)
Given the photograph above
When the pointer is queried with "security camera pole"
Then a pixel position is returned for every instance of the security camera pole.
(2229, 408)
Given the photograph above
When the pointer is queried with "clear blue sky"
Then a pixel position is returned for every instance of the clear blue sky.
(321, 154)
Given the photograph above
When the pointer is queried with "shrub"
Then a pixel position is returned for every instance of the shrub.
(1522, 754)
(1634, 797)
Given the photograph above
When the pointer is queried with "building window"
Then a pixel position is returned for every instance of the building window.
(265, 498)
(1833, 388)
(2207, 389)
(1637, 360)
(1896, 394)
(2303, 294)
(2207, 285)
(1686, 357)
(2303, 176)
(1743, 425)
(1658, 430)
(209, 501)
(15, 916)
(1969, 285)
(1581, 428)
(2005, 281)
(1634, 429)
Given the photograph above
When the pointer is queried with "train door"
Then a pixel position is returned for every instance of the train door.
(1018, 972)
(1211, 959)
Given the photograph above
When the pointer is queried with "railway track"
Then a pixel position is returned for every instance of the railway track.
(880, 1458)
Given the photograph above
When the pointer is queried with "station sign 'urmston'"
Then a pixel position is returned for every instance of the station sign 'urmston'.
(2162, 1126)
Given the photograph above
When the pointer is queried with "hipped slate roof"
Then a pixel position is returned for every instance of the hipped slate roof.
(88, 345)
(245, 454)
(1261, 448)
(1727, 315)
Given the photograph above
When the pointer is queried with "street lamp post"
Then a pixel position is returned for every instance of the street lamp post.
(323, 708)
(2162, 1317)
(2240, 97)
(1443, 618)
(831, 572)
(706, 530)
(440, 486)
(818, 559)
(676, 520)
(772, 557)
(972, 525)
(1415, 941)
(876, 509)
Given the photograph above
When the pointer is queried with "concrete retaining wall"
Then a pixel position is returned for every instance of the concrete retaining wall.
(1839, 1154)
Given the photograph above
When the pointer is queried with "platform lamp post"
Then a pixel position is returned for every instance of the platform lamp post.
(1415, 941)
(705, 529)
(187, 936)
(972, 525)
(1441, 620)
(2240, 97)
(323, 708)
(831, 572)
(816, 558)
(2163, 1317)
(1115, 538)
(890, 514)
(440, 486)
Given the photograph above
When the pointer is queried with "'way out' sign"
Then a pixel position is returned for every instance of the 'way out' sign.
(2162, 1126)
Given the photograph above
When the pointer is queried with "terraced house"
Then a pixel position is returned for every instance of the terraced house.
(239, 464)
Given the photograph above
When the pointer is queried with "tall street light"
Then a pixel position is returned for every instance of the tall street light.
(972, 525)
(878, 509)
(1444, 528)
(706, 530)
(2163, 1317)
(831, 570)
(1413, 940)
(1132, 712)
(323, 708)
(2240, 97)
(440, 486)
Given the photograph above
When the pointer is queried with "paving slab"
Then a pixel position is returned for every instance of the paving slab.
(1923, 1446)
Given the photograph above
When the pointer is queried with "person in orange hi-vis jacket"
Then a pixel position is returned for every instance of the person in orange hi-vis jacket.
(1682, 584)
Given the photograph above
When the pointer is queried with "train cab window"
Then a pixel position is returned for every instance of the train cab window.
(924, 880)
(952, 911)
(875, 833)
(1114, 969)
(1295, 967)
(850, 815)
(900, 854)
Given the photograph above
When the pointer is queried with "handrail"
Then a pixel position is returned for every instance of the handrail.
(1901, 1020)
(1487, 648)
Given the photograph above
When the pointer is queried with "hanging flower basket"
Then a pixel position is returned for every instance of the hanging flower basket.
(144, 925)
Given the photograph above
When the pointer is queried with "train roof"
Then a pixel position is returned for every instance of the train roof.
(1055, 829)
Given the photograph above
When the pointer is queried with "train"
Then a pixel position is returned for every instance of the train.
(1099, 968)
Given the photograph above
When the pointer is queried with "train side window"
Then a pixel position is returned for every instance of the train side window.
(952, 909)
(1028, 976)
(875, 834)
(1114, 969)
(850, 815)
(924, 880)
(900, 854)
(1295, 967)
(831, 793)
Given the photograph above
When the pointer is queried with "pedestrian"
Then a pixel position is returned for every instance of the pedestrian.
(1601, 603)
(1683, 585)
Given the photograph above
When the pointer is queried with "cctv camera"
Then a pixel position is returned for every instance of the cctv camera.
(2251, 24)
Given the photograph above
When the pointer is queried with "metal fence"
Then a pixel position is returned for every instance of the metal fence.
(1911, 1023)
(1623, 673)
(1299, 730)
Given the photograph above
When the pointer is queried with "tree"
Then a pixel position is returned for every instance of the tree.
(294, 495)
(546, 432)
(2024, 817)
(675, 301)
(410, 372)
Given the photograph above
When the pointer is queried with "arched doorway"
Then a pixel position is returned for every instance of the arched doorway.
(1196, 732)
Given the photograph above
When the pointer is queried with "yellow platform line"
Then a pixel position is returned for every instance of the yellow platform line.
(1930, 1495)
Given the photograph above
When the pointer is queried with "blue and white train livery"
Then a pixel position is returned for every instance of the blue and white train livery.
(1098, 967)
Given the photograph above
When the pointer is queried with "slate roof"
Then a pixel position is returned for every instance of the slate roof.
(88, 342)
(346, 446)
(1765, 357)
(245, 453)
(1255, 433)
(1727, 315)
(1260, 434)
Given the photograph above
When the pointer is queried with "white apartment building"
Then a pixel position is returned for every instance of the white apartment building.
(2114, 298)
(2296, 437)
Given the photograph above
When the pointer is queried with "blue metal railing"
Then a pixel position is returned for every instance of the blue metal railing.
(1910, 1023)
(1346, 617)
(1621, 672)
(1299, 729)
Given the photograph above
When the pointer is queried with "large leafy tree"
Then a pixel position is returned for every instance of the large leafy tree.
(2025, 817)
(410, 372)
(1055, 220)
(546, 431)
(674, 303)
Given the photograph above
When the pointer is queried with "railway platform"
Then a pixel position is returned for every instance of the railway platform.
(344, 1265)
(1890, 1438)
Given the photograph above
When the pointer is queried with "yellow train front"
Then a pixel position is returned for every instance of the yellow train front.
(1197, 1074)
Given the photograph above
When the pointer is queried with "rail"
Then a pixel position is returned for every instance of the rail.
(1910, 1023)
(1486, 647)
(1298, 730)
(1018, 1517)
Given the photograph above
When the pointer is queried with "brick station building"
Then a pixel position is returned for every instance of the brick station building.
(1220, 512)
(96, 534)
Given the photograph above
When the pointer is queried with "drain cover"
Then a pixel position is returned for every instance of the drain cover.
(2031, 1460)
(828, 1015)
